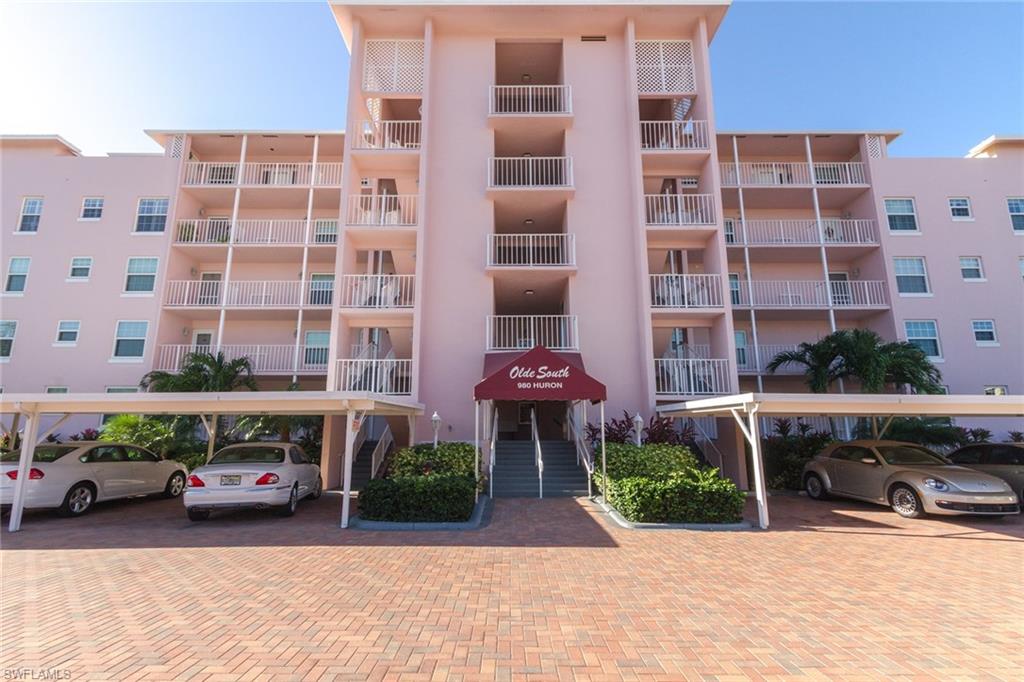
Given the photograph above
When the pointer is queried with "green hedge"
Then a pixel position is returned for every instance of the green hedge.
(785, 457)
(418, 498)
(452, 458)
(655, 460)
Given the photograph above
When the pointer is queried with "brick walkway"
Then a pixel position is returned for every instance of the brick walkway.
(549, 590)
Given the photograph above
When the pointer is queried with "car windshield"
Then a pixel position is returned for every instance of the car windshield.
(43, 453)
(908, 454)
(249, 455)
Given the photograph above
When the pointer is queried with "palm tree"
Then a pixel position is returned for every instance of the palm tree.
(281, 425)
(819, 360)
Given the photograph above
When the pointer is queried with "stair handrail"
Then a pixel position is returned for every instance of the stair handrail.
(537, 454)
(583, 450)
(493, 451)
(380, 450)
(360, 434)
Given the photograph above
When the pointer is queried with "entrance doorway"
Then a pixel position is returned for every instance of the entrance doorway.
(514, 419)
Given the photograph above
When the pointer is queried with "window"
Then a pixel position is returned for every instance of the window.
(17, 275)
(996, 390)
(130, 339)
(152, 215)
(1020, 266)
(901, 214)
(984, 332)
(141, 277)
(31, 210)
(1016, 207)
(734, 288)
(92, 208)
(81, 268)
(56, 389)
(7, 330)
(1005, 455)
(67, 332)
(911, 276)
(325, 232)
(316, 350)
(960, 208)
(925, 335)
(970, 268)
(740, 335)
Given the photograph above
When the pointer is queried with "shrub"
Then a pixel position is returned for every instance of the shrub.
(191, 460)
(86, 434)
(418, 498)
(138, 430)
(452, 458)
(694, 496)
(653, 460)
(786, 455)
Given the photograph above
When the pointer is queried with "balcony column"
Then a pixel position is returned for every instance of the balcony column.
(821, 233)
(304, 275)
(746, 265)
(226, 280)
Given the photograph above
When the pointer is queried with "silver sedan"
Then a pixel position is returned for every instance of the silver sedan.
(909, 478)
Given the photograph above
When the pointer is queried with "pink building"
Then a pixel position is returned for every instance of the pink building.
(511, 176)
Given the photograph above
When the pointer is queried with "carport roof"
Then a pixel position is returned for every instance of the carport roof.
(851, 405)
(239, 402)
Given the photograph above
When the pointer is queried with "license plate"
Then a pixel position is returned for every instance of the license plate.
(231, 480)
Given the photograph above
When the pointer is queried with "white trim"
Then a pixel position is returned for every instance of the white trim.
(913, 205)
(994, 343)
(938, 340)
(67, 344)
(129, 358)
(71, 266)
(81, 212)
(969, 218)
(924, 273)
(141, 293)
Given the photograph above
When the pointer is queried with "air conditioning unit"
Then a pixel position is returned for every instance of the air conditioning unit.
(365, 183)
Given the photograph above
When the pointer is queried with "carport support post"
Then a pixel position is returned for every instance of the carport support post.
(346, 495)
(476, 447)
(28, 449)
(751, 431)
(604, 461)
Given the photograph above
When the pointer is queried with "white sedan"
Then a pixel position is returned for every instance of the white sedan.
(255, 476)
(72, 477)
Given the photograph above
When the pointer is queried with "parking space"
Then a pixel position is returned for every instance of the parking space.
(549, 589)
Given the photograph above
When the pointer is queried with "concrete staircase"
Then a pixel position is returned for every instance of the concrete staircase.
(361, 465)
(515, 474)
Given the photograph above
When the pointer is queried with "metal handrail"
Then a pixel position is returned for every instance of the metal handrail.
(380, 450)
(493, 452)
(538, 457)
(583, 454)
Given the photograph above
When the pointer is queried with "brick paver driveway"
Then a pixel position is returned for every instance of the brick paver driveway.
(549, 590)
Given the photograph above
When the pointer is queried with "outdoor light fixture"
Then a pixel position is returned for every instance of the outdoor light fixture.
(527, 78)
(529, 292)
(528, 221)
(435, 421)
(638, 427)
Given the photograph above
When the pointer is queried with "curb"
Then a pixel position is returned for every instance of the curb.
(480, 518)
(621, 521)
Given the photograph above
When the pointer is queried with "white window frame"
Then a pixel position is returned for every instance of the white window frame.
(924, 273)
(9, 274)
(913, 212)
(980, 269)
(56, 390)
(938, 341)
(132, 358)
(996, 389)
(969, 218)
(1013, 213)
(138, 214)
(1020, 266)
(11, 338)
(78, 332)
(71, 268)
(21, 216)
(82, 218)
(994, 342)
(139, 294)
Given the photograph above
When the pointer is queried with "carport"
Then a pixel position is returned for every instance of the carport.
(745, 408)
(30, 407)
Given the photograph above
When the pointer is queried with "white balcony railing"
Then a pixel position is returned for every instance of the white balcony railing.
(746, 359)
(388, 135)
(378, 291)
(686, 291)
(679, 210)
(691, 376)
(530, 172)
(688, 350)
(256, 232)
(530, 99)
(264, 359)
(783, 173)
(809, 294)
(249, 294)
(839, 173)
(522, 332)
(531, 250)
(836, 231)
(382, 210)
(674, 135)
(262, 174)
(388, 376)
(203, 231)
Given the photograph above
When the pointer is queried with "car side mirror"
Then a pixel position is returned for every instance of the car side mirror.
(868, 460)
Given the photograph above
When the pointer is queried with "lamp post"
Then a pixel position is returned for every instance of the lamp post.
(435, 421)
(638, 427)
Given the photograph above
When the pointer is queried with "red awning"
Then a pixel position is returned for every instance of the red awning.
(538, 374)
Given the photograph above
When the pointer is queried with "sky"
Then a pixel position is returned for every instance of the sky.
(947, 74)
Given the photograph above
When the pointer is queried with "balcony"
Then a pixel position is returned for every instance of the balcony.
(387, 210)
(523, 332)
(809, 294)
(249, 294)
(377, 291)
(836, 232)
(531, 250)
(686, 291)
(530, 172)
(746, 361)
(679, 210)
(264, 359)
(530, 100)
(387, 376)
(257, 232)
(691, 377)
(788, 174)
(260, 174)
(688, 135)
(388, 135)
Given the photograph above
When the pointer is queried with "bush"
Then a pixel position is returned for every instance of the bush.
(418, 498)
(654, 460)
(138, 430)
(785, 456)
(695, 496)
(452, 458)
(191, 460)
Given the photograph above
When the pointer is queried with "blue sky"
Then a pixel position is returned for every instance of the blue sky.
(947, 74)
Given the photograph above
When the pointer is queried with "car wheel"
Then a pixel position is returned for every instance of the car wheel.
(79, 500)
(318, 490)
(293, 503)
(815, 487)
(198, 514)
(175, 485)
(905, 502)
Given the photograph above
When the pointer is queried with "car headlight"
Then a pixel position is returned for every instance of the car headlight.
(936, 484)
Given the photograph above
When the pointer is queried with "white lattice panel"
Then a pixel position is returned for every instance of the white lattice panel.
(665, 66)
(876, 147)
(394, 66)
(177, 147)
